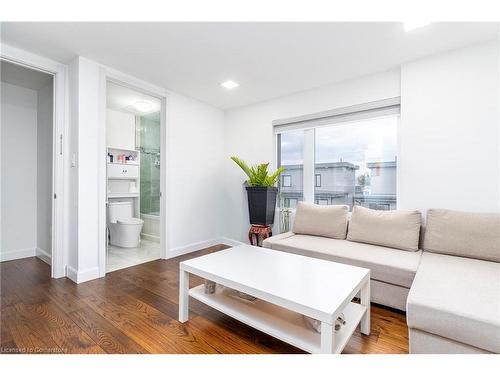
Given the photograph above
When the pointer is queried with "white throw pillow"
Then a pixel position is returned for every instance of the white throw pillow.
(318, 220)
(464, 234)
(398, 229)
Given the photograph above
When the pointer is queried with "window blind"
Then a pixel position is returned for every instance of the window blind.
(356, 112)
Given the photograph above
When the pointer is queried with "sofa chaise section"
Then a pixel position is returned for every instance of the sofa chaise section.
(454, 306)
(454, 302)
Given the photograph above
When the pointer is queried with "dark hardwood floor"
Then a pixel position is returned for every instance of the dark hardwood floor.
(134, 310)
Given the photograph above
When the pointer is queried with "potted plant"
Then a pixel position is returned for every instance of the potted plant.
(261, 191)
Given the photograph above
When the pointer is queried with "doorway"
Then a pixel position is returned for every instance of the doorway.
(27, 163)
(133, 177)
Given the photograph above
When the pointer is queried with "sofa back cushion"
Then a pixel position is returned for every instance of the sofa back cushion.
(398, 229)
(466, 234)
(317, 220)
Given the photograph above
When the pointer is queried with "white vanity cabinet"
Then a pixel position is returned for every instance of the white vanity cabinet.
(126, 171)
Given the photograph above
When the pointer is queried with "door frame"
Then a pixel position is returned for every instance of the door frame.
(60, 161)
(108, 74)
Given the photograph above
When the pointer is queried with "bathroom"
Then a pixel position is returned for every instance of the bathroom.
(133, 137)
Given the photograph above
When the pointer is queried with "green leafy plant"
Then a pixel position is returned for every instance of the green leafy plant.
(258, 175)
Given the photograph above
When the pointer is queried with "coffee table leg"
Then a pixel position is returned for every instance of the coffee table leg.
(183, 296)
(327, 338)
(365, 301)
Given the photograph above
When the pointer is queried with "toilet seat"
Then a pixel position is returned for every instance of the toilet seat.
(130, 221)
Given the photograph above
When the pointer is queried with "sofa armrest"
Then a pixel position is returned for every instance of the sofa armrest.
(268, 242)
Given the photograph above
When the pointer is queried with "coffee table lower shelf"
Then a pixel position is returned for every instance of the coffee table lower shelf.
(277, 321)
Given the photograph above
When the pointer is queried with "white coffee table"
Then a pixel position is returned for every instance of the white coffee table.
(287, 286)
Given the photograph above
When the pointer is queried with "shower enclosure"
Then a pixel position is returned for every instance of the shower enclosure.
(149, 136)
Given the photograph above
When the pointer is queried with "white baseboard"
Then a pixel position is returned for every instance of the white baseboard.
(5, 256)
(82, 276)
(44, 255)
(71, 274)
(230, 242)
(181, 250)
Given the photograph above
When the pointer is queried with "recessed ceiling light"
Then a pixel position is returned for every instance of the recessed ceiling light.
(143, 106)
(229, 84)
(412, 25)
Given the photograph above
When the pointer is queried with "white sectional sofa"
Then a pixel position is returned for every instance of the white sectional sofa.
(448, 280)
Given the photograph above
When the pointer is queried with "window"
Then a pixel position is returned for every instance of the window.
(286, 180)
(376, 206)
(317, 180)
(358, 163)
(290, 202)
(322, 202)
(290, 156)
(341, 157)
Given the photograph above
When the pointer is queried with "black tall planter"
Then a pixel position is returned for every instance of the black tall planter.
(261, 204)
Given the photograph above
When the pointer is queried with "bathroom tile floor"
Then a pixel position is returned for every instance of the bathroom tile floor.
(120, 257)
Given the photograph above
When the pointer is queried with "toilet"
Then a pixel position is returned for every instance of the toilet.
(124, 229)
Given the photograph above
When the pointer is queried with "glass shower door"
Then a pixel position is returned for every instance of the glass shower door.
(149, 146)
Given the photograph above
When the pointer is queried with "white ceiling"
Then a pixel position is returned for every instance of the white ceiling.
(123, 99)
(24, 77)
(267, 59)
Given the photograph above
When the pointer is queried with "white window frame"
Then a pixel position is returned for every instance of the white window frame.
(309, 123)
(309, 164)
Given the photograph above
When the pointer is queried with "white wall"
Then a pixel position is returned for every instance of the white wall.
(249, 133)
(85, 123)
(44, 171)
(449, 131)
(83, 152)
(71, 201)
(19, 154)
(195, 172)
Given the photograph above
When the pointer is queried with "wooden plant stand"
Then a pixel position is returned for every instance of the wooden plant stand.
(259, 233)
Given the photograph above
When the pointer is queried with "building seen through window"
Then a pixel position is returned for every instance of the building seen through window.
(355, 164)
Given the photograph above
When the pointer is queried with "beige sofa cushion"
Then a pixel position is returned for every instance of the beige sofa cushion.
(270, 241)
(398, 229)
(422, 342)
(325, 221)
(457, 298)
(392, 266)
(465, 234)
